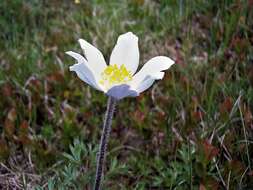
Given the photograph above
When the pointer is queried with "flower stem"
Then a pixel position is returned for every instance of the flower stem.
(104, 141)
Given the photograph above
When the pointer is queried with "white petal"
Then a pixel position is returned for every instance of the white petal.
(126, 52)
(145, 84)
(150, 72)
(121, 91)
(83, 71)
(76, 56)
(94, 57)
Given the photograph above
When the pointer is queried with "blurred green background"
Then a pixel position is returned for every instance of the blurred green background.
(192, 130)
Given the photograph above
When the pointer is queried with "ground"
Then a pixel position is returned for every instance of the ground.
(191, 130)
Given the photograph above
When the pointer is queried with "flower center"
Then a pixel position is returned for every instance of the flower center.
(114, 75)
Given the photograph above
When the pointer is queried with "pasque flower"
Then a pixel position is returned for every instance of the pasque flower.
(118, 79)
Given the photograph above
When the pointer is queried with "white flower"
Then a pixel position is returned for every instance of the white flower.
(118, 79)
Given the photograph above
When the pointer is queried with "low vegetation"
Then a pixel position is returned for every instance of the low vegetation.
(193, 130)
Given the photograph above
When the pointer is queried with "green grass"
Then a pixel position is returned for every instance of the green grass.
(192, 130)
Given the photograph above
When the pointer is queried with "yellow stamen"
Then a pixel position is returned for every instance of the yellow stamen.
(113, 75)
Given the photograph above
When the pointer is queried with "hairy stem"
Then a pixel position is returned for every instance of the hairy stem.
(104, 141)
